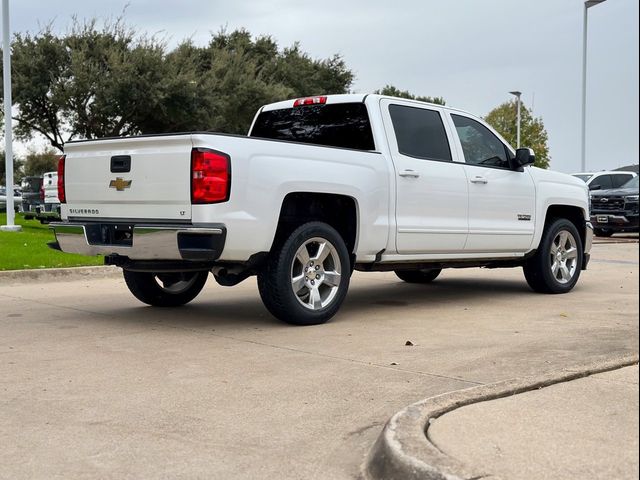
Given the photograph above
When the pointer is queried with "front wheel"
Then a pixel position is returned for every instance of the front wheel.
(165, 289)
(306, 278)
(555, 268)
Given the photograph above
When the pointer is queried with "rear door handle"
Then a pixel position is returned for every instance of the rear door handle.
(409, 173)
(478, 179)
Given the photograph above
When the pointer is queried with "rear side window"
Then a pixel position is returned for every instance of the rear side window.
(420, 133)
(344, 125)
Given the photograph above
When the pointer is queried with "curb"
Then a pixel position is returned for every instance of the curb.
(403, 450)
(53, 274)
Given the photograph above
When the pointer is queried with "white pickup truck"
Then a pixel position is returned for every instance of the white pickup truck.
(320, 186)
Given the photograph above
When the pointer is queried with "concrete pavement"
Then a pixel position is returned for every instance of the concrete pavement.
(585, 428)
(95, 385)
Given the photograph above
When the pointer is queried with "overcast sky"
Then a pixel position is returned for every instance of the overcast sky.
(471, 52)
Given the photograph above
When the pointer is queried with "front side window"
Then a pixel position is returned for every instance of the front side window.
(420, 133)
(479, 145)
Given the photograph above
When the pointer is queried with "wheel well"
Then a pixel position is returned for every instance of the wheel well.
(339, 211)
(573, 214)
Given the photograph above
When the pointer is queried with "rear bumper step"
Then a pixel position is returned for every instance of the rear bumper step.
(142, 241)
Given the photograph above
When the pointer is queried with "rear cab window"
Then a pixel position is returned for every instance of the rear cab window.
(343, 125)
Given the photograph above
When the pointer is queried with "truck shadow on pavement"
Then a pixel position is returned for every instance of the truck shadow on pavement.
(213, 309)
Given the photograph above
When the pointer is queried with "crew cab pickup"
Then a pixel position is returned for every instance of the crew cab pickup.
(319, 187)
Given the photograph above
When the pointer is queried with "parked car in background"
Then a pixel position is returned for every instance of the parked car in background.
(50, 206)
(31, 186)
(17, 198)
(605, 180)
(615, 210)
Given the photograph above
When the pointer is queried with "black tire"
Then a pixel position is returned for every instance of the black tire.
(275, 278)
(602, 232)
(418, 276)
(538, 269)
(179, 288)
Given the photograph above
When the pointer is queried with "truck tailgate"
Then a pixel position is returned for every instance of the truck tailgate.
(129, 178)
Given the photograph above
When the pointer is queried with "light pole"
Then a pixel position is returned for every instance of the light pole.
(8, 139)
(583, 134)
(517, 95)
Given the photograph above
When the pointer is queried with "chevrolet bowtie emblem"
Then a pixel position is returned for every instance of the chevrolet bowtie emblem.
(119, 184)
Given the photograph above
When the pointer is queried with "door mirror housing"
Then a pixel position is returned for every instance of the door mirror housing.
(595, 186)
(524, 157)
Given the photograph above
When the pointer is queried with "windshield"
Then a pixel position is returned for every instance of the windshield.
(633, 183)
(584, 178)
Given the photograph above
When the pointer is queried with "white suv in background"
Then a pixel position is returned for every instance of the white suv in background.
(605, 180)
(49, 209)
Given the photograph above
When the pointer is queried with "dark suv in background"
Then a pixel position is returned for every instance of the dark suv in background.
(30, 196)
(615, 210)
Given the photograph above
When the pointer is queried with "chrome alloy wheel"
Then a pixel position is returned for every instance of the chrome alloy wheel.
(563, 257)
(316, 273)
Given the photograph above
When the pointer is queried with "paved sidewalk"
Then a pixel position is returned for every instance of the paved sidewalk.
(586, 428)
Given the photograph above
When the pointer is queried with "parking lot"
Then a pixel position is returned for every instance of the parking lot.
(95, 385)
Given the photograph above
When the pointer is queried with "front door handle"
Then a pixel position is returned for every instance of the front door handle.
(478, 179)
(409, 173)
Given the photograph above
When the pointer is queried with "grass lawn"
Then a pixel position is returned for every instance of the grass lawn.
(28, 248)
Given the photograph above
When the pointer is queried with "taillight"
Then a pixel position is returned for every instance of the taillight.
(310, 101)
(42, 193)
(210, 176)
(61, 193)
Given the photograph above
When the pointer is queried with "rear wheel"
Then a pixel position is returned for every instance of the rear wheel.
(602, 232)
(555, 268)
(418, 276)
(165, 289)
(306, 278)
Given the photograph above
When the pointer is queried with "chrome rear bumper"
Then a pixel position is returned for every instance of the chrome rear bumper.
(141, 241)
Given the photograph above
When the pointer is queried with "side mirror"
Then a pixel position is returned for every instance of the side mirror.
(595, 186)
(525, 156)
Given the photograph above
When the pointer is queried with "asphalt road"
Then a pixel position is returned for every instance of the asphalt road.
(95, 385)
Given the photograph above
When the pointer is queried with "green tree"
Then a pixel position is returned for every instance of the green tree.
(101, 81)
(532, 132)
(36, 163)
(91, 82)
(392, 91)
(18, 165)
(235, 74)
